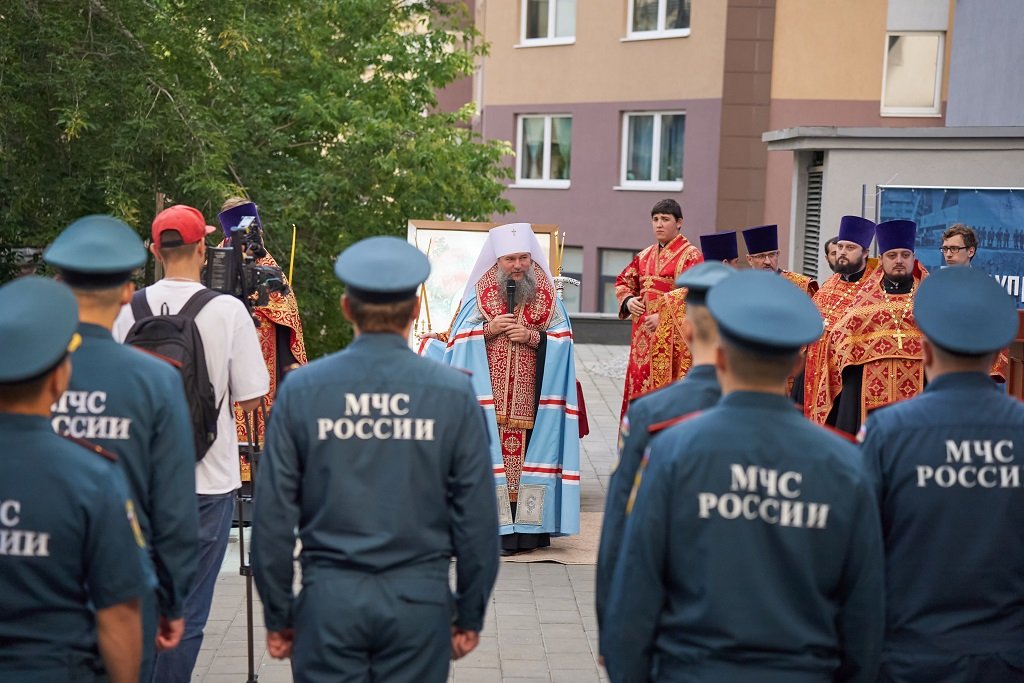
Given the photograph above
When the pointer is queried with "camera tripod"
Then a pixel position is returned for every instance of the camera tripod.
(253, 450)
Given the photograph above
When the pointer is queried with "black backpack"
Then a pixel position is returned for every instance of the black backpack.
(175, 339)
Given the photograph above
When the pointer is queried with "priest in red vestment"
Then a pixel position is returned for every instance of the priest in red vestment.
(762, 245)
(835, 296)
(657, 354)
(874, 351)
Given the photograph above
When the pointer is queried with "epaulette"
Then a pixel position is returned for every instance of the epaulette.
(658, 426)
(89, 445)
(839, 432)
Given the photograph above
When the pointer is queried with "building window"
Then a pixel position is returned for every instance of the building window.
(659, 18)
(545, 150)
(613, 262)
(548, 22)
(912, 82)
(572, 266)
(652, 151)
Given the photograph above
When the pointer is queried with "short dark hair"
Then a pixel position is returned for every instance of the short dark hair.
(704, 328)
(371, 317)
(970, 239)
(759, 367)
(179, 250)
(669, 206)
(23, 391)
(828, 243)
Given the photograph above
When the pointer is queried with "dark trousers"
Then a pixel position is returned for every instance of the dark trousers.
(215, 512)
(353, 627)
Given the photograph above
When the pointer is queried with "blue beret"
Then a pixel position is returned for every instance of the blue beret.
(701, 278)
(38, 319)
(96, 250)
(764, 313)
(761, 239)
(382, 269)
(232, 218)
(895, 235)
(719, 246)
(965, 311)
(857, 230)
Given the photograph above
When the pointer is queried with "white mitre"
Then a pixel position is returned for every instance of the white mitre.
(514, 238)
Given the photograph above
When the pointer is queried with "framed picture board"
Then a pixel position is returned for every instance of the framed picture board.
(452, 247)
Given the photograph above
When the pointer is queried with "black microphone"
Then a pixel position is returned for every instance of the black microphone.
(510, 292)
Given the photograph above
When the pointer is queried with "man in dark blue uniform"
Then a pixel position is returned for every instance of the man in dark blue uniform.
(949, 486)
(134, 406)
(71, 570)
(379, 458)
(697, 390)
(753, 541)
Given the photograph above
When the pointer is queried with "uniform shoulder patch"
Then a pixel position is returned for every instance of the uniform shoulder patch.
(89, 445)
(659, 426)
(838, 432)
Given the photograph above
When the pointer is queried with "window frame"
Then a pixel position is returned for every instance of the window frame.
(936, 109)
(661, 31)
(648, 185)
(605, 279)
(576, 276)
(549, 39)
(546, 182)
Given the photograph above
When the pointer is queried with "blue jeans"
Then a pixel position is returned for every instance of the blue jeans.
(215, 514)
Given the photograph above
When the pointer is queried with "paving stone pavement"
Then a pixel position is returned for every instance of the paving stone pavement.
(540, 625)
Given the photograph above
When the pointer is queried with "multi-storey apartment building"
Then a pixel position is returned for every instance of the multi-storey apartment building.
(612, 105)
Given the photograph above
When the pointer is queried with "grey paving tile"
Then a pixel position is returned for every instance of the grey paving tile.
(515, 609)
(574, 675)
(524, 667)
(471, 675)
(275, 675)
(567, 646)
(229, 665)
(552, 604)
(560, 617)
(577, 661)
(507, 622)
(550, 631)
(480, 660)
(521, 636)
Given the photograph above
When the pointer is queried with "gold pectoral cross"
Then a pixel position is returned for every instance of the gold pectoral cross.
(900, 336)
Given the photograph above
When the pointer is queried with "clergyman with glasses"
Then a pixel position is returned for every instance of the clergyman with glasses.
(763, 254)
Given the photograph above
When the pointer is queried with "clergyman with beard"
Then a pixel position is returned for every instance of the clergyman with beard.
(524, 375)
(833, 300)
(874, 351)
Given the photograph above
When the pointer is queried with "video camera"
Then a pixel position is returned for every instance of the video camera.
(233, 269)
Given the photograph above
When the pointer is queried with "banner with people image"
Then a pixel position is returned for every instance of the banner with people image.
(995, 215)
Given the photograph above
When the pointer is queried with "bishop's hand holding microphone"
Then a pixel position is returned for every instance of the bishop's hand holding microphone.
(506, 324)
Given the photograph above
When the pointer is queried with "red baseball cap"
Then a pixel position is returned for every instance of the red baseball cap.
(188, 222)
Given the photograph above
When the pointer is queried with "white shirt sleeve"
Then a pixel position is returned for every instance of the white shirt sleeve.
(248, 377)
(123, 323)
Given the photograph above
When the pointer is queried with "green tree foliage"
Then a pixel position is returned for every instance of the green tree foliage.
(322, 112)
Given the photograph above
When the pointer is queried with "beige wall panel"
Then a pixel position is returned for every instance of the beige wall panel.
(830, 50)
(834, 50)
(599, 66)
